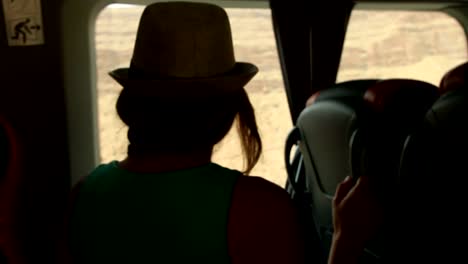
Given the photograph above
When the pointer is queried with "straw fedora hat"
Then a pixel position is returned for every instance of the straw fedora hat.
(184, 48)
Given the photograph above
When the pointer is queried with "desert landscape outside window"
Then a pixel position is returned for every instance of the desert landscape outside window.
(402, 44)
(379, 44)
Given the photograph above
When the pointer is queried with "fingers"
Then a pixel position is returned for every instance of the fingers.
(349, 187)
(362, 182)
(361, 186)
(360, 189)
(343, 189)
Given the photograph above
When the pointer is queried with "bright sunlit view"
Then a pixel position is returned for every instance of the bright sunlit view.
(402, 44)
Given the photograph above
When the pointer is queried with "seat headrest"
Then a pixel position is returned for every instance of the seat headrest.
(342, 90)
(312, 99)
(401, 95)
(398, 106)
(455, 79)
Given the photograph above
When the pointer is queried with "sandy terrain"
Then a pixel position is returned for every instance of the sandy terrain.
(379, 45)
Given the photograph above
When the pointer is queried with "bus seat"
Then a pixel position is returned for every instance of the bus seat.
(357, 128)
(434, 163)
(434, 148)
(398, 109)
(3, 168)
(455, 79)
(9, 184)
(322, 132)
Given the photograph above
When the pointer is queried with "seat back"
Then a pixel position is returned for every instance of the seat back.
(4, 148)
(434, 164)
(3, 168)
(437, 147)
(323, 130)
(9, 197)
(398, 109)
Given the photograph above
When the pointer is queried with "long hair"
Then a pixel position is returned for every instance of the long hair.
(248, 133)
(177, 125)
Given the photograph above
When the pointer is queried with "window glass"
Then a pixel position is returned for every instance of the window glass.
(254, 42)
(401, 44)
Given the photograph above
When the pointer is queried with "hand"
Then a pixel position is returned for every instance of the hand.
(357, 214)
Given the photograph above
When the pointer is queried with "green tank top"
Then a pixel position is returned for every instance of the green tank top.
(175, 217)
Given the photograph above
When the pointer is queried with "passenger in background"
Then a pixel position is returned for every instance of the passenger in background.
(167, 202)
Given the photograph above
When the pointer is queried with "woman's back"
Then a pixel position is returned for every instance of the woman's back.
(169, 217)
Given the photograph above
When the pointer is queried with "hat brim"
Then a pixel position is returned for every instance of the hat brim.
(231, 81)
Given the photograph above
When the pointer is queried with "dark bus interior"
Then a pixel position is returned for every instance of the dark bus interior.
(407, 133)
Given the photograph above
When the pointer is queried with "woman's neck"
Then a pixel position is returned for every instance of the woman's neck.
(163, 162)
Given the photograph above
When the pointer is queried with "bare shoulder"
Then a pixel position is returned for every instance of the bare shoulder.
(260, 192)
(263, 224)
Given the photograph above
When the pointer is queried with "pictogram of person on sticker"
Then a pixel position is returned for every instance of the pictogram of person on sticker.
(22, 29)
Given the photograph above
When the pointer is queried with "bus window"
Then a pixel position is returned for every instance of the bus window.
(401, 44)
(254, 42)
